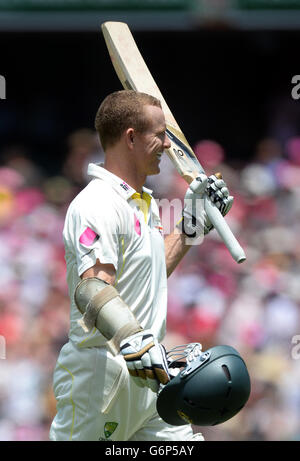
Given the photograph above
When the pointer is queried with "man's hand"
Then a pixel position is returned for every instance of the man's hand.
(145, 359)
(218, 193)
(195, 221)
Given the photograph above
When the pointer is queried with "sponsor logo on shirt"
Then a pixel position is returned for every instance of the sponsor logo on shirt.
(125, 186)
(160, 229)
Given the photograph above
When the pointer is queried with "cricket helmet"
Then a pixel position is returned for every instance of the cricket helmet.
(212, 387)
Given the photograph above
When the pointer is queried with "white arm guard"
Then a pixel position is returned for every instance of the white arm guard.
(103, 308)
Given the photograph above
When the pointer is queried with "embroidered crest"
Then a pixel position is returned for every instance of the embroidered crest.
(109, 429)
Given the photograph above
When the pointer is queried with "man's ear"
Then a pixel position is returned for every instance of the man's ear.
(130, 134)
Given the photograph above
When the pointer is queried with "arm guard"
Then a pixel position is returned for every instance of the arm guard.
(103, 308)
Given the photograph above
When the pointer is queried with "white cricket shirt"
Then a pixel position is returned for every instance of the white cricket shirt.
(108, 221)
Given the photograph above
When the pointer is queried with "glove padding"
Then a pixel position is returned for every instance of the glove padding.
(218, 193)
(146, 360)
(195, 220)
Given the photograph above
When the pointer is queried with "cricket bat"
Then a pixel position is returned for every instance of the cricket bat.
(135, 75)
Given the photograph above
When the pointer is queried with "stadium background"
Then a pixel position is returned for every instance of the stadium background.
(226, 72)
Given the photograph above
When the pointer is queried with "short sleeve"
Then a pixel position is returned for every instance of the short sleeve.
(93, 233)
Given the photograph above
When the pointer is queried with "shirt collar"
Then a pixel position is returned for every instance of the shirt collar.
(96, 170)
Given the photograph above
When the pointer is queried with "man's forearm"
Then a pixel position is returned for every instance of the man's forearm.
(175, 249)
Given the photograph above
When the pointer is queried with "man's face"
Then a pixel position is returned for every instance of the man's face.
(149, 145)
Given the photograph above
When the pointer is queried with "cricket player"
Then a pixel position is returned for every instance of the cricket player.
(107, 375)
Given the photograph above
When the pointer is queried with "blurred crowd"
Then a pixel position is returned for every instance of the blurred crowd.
(253, 306)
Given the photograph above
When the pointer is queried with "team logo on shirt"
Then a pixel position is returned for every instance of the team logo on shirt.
(88, 237)
(109, 429)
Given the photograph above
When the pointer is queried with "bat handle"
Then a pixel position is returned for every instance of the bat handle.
(224, 231)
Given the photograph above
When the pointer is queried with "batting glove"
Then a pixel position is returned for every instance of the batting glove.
(218, 193)
(195, 221)
(146, 360)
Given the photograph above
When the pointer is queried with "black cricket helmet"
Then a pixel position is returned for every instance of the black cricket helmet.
(212, 387)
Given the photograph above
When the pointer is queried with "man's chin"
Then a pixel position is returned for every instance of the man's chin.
(154, 172)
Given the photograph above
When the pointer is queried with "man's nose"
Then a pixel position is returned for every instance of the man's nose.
(167, 142)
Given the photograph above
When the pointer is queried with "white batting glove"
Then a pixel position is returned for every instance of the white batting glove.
(195, 221)
(146, 360)
(218, 193)
(193, 214)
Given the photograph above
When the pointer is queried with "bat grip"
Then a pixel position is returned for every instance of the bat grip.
(224, 231)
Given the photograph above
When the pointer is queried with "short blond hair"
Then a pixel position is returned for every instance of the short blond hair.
(122, 110)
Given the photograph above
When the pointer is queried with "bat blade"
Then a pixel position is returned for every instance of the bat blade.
(134, 74)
